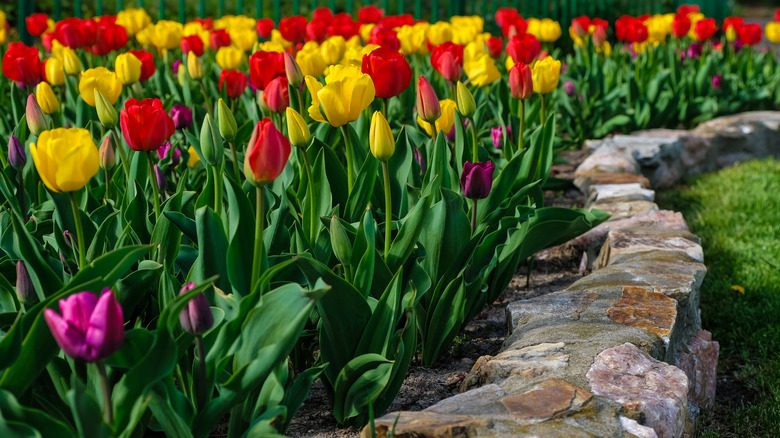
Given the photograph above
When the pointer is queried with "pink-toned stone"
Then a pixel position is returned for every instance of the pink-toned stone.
(699, 360)
(552, 398)
(636, 429)
(640, 307)
(629, 376)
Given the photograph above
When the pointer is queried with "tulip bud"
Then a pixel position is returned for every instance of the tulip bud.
(261, 102)
(226, 121)
(182, 116)
(24, 287)
(339, 240)
(293, 71)
(297, 129)
(128, 68)
(466, 104)
(520, 81)
(69, 238)
(106, 112)
(107, 154)
(194, 66)
(54, 71)
(46, 98)
(267, 154)
(477, 179)
(210, 143)
(380, 137)
(717, 80)
(196, 318)
(569, 88)
(277, 95)
(498, 136)
(428, 107)
(17, 157)
(162, 182)
(36, 119)
(71, 61)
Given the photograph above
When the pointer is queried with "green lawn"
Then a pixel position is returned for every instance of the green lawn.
(736, 212)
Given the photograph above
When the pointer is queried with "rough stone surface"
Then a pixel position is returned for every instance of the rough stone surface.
(585, 180)
(657, 158)
(741, 137)
(699, 360)
(695, 153)
(422, 424)
(652, 311)
(619, 192)
(636, 429)
(553, 398)
(627, 375)
(607, 162)
(531, 360)
(630, 243)
(625, 209)
(657, 219)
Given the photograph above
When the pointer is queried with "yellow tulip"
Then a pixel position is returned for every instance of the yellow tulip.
(605, 48)
(534, 28)
(333, 49)
(194, 158)
(297, 129)
(104, 80)
(473, 50)
(466, 29)
(545, 75)
(71, 61)
(133, 20)
(196, 28)
(55, 71)
(347, 92)
(128, 68)
(773, 31)
(243, 38)
(412, 38)
(310, 60)
(549, 30)
(482, 70)
(230, 57)
(365, 31)
(277, 37)
(164, 35)
(3, 35)
(380, 138)
(66, 159)
(695, 17)
(445, 122)
(194, 66)
(2, 19)
(46, 98)
(440, 33)
(271, 46)
(657, 28)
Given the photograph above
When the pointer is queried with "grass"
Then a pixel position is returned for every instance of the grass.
(736, 212)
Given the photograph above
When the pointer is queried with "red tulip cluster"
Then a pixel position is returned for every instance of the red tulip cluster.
(37, 24)
(750, 34)
(447, 59)
(384, 37)
(264, 27)
(264, 66)
(389, 71)
(523, 48)
(192, 43)
(510, 21)
(631, 29)
(22, 64)
(219, 38)
(681, 25)
(705, 29)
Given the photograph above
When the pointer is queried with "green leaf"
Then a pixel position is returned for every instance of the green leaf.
(86, 411)
(18, 421)
(360, 197)
(241, 248)
(358, 384)
(212, 248)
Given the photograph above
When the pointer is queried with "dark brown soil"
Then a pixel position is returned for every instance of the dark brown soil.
(553, 270)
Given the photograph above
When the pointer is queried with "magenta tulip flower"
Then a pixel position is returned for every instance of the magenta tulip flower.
(196, 318)
(477, 179)
(90, 328)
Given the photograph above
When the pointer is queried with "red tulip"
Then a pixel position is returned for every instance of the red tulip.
(428, 105)
(750, 34)
(630, 29)
(205, 23)
(234, 80)
(370, 14)
(219, 38)
(267, 153)
(523, 48)
(447, 59)
(681, 25)
(495, 46)
(705, 29)
(37, 24)
(735, 22)
(293, 28)
(393, 21)
(145, 124)
(111, 36)
(389, 71)
(277, 95)
(264, 27)
(505, 16)
(264, 66)
(22, 64)
(520, 81)
(580, 25)
(322, 13)
(687, 9)
(518, 26)
(71, 32)
(777, 16)
(384, 37)
(192, 43)
(147, 63)
(343, 25)
(599, 24)
(316, 30)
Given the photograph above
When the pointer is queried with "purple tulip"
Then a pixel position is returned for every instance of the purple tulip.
(90, 328)
(70, 239)
(738, 46)
(24, 287)
(420, 159)
(569, 88)
(716, 82)
(695, 50)
(17, 157)
(477, 179)
(498, 137)
(162, 182)
(196, 318)
(451, 135)
(164, 152)
(175, 66)
(182, 116)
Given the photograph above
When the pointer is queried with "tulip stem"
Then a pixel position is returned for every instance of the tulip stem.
(202, 387)
(384, 108)
(206, 98)
(122, 156)
(348, 147)
(544, 108)
(79, 230)
(108, 410)
(20, 192)
(258, 255)
(155, 189)
(108, 182)
(217, 189)
(474, 146)
(388, 208)
(300, 100)
(522, 126)
(473, 215)
(312, 199)
(235, 161)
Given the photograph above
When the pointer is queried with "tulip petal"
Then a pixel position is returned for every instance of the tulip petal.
(106, 332)
(68, 337)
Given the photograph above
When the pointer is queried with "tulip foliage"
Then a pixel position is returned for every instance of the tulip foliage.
(214, 215)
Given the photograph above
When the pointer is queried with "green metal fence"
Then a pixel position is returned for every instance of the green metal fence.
(432, 10)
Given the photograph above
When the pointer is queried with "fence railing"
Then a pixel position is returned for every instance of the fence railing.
(432, 10)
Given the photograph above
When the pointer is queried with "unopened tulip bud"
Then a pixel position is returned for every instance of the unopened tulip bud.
(466, 104)
(277, 95)
(36, 119)
(182, 116)
(293, 71)
(107, 154)
(226, 121)
(128, 68)
(162, 182)
(196, 318)
(194, 66)
(70, 240)
(17, 157)
(71, 61)
(569, 88)
(210, 143)
(428, 107)
(520, 81)
(261, 102)
(54, 71)
(380, 137)
(297, 129)
(266, 154)
(339, 240)
(24, 287)
(106, 112)
(46, 98)
(477, 179)
(717, 80)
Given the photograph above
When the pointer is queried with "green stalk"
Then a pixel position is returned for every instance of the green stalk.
(388, 208)
(202, 387)
(310, 177)
(79, 230)
(350, 164)
(544, 108)
(258, 254)
(155, 189)
(122, 156)
(522, 126)
(384, 108)
(206, 97)
(473, 216)
(217, 189)
(20, 192)
(300, 100)
(235, 161)
(108, 183)
(474, 145)
(108, 410)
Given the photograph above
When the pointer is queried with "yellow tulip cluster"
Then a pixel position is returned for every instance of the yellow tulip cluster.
(163, 35)
(346, 93)
(478, 65)
(545, 30)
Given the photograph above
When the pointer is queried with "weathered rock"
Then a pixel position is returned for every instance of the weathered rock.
(629, 376)
(625, 209)
(585, 180)
(423, 424)
(552, 398)
(532, 360)
(636, 429)
(657, 219)
(607, 162)
(695, 154)
(630, 243)
(742, 137)
(479, 401)
(699, 360)
(619, 192)
(652, 311)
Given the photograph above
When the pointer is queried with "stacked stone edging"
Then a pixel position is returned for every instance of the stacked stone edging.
(621, 352)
